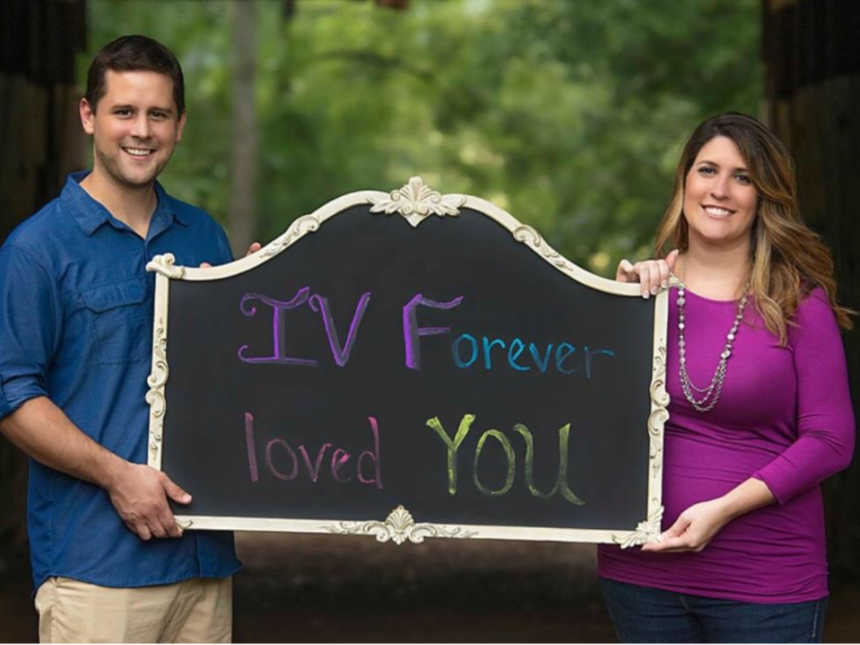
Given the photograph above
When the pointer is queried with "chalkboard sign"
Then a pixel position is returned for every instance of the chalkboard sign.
(410, 364)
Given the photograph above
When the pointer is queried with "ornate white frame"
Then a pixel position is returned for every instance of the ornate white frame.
(415, 202)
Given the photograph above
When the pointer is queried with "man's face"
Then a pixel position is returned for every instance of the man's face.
(135, 127)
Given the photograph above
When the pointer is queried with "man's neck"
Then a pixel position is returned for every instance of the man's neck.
(133, 206)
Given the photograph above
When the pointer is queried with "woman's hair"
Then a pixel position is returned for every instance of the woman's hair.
(788, 259)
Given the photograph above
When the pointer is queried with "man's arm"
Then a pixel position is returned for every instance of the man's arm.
(138, 492)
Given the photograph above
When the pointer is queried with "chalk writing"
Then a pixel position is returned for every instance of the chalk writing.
(277, 307)
(340, 353)
(411, 330)
(283, 463)
(452, 447)
(465, 351)
(510, 457)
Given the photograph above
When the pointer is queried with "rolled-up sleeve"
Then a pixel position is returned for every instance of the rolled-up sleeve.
(30, 324)
(825, 417)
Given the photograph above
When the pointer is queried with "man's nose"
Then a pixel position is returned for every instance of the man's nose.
(140, 127)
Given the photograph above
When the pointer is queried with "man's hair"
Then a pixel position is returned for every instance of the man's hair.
(130, 54)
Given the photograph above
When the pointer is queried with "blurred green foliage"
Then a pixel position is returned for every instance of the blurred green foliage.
(569, 114)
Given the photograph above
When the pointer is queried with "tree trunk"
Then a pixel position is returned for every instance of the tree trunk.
(812, 57)
(242, 215)
(42, 142)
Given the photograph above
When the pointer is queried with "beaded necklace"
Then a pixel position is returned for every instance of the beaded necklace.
(708, 396)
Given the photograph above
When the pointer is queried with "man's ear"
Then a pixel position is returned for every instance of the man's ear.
(180, 127)
(87, 116)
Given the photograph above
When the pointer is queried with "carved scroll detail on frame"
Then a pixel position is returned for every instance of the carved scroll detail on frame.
(165, 264)
(155, 396)
(531, 238)
(646, 531)
(398, 527)
(299, 228)
(416, 201)
(659, 415)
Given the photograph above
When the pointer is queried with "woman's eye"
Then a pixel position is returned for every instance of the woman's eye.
(707, 170)
(744, 179)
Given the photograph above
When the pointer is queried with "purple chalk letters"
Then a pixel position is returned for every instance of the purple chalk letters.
(277, 307)
(411, 330)
(320, 304)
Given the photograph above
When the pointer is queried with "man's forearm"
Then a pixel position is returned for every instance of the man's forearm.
(45, 433)
(138, 493)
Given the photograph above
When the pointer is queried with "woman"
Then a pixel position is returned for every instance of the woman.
(760, 410)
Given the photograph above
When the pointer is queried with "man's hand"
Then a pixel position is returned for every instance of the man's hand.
(650, 274)
(139, 494)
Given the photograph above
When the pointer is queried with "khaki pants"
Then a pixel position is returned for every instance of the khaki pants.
(199, 610)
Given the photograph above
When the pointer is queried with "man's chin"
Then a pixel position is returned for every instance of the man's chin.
(137, 180)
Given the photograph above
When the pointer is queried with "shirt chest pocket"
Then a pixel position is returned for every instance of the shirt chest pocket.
(118, 322)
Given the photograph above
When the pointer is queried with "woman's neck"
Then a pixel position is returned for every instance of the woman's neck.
(715, 274)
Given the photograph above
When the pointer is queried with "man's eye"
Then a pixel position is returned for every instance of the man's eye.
(122, 112)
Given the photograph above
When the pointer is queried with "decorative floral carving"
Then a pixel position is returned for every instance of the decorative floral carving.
(165, 264)
(398, 527)
(299, 228)
(416, 201)
(646, 531)
(530, 237)
(155, 396)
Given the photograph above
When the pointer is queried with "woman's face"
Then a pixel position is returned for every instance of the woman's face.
(720, 200)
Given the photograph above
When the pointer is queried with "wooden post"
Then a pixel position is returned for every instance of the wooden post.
(812, 59)
(42, 142)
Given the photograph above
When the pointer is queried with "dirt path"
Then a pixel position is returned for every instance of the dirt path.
(334, 588)
(318, 588)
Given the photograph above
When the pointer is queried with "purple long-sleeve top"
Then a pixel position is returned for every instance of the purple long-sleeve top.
(784, 417)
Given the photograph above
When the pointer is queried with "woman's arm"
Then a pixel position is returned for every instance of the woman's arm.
(696, 526)
(825, 434)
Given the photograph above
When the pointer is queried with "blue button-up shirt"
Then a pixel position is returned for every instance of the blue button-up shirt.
(76, 326)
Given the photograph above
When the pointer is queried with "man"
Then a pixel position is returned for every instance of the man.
(109, 562)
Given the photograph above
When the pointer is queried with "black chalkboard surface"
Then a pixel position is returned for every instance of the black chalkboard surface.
(409, 365)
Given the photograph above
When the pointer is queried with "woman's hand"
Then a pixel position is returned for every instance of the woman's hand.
(650, 274)
(696, 527)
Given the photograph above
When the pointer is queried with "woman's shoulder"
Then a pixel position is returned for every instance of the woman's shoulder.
(814, 315)
(814, 303)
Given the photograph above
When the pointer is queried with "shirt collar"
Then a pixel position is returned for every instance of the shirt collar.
(90, 214)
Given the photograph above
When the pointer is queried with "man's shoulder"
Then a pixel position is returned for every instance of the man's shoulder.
(198, 233)
(32, 234)
(189, 213)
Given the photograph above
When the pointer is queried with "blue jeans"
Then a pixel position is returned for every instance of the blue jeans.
(649, 615)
